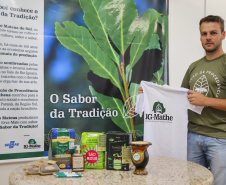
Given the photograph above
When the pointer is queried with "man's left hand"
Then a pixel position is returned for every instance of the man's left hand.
(196, 98)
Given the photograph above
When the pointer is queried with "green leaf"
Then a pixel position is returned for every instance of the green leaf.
(133, 90)
(114, 104)
(94, 17)
(144, 29)
(128, 73)
(120, 14)
(163, 33)
(139, 129)
(79, 40)
(163, 37)
(159, 73)
(154, 43)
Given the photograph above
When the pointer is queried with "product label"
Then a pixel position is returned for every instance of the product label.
(71, 145)
(126, 155)
(63, 139)
(62, 166)
(101, 142)
(117, 164)
(91, 156)
(92, 135)
(77, 163)
(136, 156)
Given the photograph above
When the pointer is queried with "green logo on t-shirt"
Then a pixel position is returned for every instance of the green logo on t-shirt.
(158, 108)
(158, 115)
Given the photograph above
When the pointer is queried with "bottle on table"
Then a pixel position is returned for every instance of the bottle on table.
(77, 160)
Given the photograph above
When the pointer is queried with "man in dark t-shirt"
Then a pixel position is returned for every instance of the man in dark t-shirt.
(206, 79)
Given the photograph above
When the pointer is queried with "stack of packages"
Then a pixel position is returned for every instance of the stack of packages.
(93, 147)
(118, 150)
(63, 146)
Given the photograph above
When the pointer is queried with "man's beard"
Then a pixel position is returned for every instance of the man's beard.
(211, 50)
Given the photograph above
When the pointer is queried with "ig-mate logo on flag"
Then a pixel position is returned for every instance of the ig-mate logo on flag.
(159, 110)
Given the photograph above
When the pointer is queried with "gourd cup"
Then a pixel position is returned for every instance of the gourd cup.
(140, 156)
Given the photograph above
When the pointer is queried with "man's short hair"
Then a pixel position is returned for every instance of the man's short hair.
(213, 18)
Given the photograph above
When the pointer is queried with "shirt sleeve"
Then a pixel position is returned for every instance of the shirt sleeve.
(185, 82)
(139, 108)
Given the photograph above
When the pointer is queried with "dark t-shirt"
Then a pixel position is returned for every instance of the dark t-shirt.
(209, 78)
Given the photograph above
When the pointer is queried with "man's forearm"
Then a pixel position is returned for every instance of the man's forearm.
(199, 99)
(216, 103)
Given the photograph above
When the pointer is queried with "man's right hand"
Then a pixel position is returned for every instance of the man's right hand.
(140, 90)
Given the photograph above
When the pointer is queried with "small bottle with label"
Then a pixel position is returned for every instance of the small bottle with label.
(77, 160)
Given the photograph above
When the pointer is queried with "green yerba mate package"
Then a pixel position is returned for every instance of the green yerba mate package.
(63, 140)
(94, 154)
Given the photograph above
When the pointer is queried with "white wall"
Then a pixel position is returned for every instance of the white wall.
(184, 38)
(184, 41)
(214, 7)
(184, 46)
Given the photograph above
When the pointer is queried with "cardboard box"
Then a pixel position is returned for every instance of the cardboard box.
(118, 151)
(63, 147)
